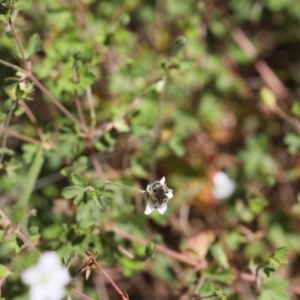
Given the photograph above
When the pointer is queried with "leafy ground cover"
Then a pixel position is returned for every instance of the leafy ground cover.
(149, 149)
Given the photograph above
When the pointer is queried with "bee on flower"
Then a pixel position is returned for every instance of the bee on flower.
(158, 195)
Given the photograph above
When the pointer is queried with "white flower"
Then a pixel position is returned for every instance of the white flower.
(223, 186)
(158, 195)
(46, 279)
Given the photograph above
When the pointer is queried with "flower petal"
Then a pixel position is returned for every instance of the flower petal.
(163, 180)
(49, 260)
(169, 194)
(148, 209)
(223, 186)
(162, 209)
(30, 276)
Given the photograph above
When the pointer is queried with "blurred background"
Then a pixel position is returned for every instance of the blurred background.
(205, 93)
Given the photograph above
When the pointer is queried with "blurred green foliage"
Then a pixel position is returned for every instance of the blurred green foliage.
(130, 92)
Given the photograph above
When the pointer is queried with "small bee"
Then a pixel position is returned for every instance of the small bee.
(158, 194)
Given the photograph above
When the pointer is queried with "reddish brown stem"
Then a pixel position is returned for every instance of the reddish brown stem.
(15, 67)
(22, 137)
(55, 101)
(121, 293)
(81, 295)
(79, 111)
(18, 43)
(178, 256)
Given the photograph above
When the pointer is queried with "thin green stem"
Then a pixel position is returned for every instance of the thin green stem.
(18, 42)
(125, 186)
(159, 122)
(15, 67)
(257, 279)
(6, 124)
(91, 106)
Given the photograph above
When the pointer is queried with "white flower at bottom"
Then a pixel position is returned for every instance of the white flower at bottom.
(223, 186)
(46, 279)
(158, 195)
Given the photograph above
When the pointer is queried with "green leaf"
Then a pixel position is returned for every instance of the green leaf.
(219, 254)
(292, 140)
(100, 185)
(268, 97)
(178, 44)
(77, 180)
(108, 193)
(214, 272)
(33, 230)
(21, 4)
(280, 255)
(257, 204)
(274, 289)
(121, 126)
(72, 191)
(150, 250)
(296, 109)
(210, 290)
(31, 179)
(104, 201)
(19, 111)
(34, 45)
(4, 272)
(275, 260)
(277, 5)
(5, 8)
(79, 197)
(4, 17)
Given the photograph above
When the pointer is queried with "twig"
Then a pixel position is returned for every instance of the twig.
(121, 293)
(91, 106)
(261, 67)
(32, 119)
(81, 295)
(15, 67)
(200, 265)
(257, 278)
(4, 129)
(199, 284)
(25, 240)
(125, 186)
(55, 101)
(22, 137)
(79, 110)
(252, 278)
(16, 37)
(20, 235)
(100, 286)
(97, 167)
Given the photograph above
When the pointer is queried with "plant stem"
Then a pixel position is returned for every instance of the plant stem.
(5, 126)
(125, 186)
(22, 137)
(55, 101)
(15, 67)
(121, 293)
(200, 265)
(91, 106)
(81, 295)
(18, 42)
